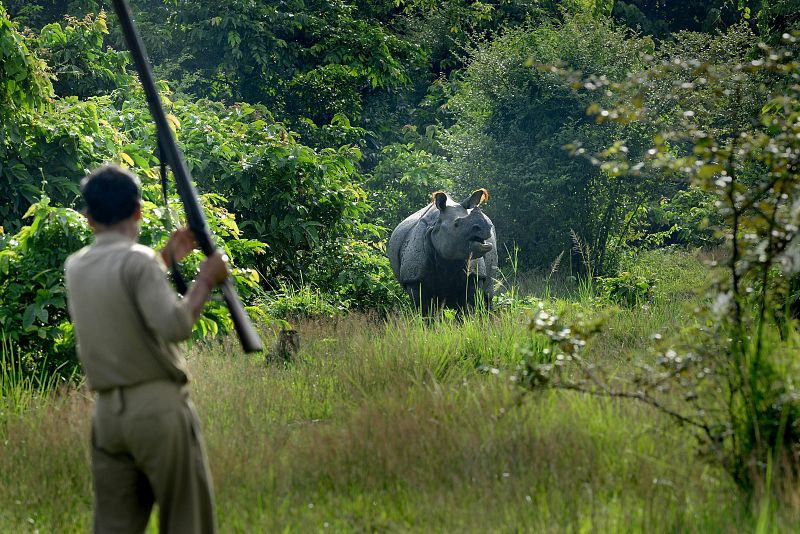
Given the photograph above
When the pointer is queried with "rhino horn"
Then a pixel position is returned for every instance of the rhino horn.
(475, 199)
(440, 199)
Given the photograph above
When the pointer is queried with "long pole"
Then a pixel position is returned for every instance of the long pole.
(195, 217)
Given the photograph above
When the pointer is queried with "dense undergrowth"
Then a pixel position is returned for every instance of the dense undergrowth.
(400, 425)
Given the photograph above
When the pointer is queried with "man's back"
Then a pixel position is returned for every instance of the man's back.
(127, 318)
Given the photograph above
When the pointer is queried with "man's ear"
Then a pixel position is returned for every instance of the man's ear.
(137, 212)
(475, 199)
(89, 218)
(440, 199)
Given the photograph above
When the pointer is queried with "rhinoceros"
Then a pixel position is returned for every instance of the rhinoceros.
(446, 253)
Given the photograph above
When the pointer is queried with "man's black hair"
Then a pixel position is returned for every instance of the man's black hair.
(111, 194)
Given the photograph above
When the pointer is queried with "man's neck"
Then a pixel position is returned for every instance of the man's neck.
(128, 228)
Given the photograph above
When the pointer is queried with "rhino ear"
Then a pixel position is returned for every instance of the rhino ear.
(475, 199)
(440, 199)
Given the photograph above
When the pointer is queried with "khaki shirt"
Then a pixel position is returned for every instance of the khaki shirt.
(127, 318)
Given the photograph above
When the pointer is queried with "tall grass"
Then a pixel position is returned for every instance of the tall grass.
(44, 478)
(399, 426)
(19, 388)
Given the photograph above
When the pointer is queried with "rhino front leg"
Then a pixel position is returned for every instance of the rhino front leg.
(415, 292)
(422, 299)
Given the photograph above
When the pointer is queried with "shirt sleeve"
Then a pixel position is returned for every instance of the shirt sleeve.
(164, 312)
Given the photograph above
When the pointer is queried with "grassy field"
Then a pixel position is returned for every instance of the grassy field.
(395, 426)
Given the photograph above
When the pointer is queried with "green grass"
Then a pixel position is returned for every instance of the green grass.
(397, 426)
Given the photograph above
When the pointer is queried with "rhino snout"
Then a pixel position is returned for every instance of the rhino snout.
(480, 232)
(478, 243)
(478, 247)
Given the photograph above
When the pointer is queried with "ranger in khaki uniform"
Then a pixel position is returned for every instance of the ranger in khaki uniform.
(146, 442)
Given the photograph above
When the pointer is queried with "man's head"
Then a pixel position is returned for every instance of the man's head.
(113, 195)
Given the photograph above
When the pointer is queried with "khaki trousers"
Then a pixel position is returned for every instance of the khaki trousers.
(146, 448)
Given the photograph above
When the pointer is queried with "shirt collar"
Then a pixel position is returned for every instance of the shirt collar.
(109, 237)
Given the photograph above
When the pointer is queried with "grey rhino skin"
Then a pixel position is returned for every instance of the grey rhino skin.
(446, 254)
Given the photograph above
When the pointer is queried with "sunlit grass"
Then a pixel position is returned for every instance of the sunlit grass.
(17, 387)
(401, 426)
(44, 452)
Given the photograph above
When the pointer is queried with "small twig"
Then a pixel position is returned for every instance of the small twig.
(639, 396)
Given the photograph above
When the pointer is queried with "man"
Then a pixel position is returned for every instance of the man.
(146, 442)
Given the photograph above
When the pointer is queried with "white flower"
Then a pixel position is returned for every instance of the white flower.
(790, 259)
(722, 303)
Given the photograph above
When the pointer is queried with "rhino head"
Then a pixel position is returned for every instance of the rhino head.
(461, 231)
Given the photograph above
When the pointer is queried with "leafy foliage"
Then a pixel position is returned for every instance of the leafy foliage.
(33, 312)
(511, 120)
(661, 19)
(33, 305)
(689, 217)
(289, 303)
(81, 66)
(25, 76)
(626, 288)
(303, 205)
(289, 195)
(730, 377)
(357, 274)
(325, 55)
(403, 182)
(46, 144)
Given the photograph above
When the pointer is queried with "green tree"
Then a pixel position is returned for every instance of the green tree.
(732, 376)
(661, 18)
(39, 141)
(80, 63)
(511, 121)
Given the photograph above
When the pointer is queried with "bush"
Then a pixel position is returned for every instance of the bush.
(33, 306)
(358, 274)
(81, 66)
(33, 311)
(297, 199)
(289, 303)
(403, 181)
(512, 120)
(626, 288)
(732, 376)
(692, 216)
(289, 195)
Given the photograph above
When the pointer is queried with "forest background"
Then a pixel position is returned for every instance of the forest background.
(312, 128)
(604, 131)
